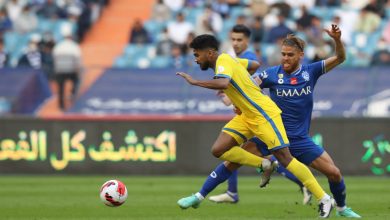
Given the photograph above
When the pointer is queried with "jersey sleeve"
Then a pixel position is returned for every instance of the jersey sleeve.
(244, 62)
(317, 69)
(264, 78)
(223, 68)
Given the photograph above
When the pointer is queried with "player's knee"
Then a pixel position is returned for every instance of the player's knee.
(217, 152)
(283, 156)
(335, 175)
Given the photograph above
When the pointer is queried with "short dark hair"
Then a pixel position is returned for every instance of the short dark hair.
(204, 41)
(239, 28)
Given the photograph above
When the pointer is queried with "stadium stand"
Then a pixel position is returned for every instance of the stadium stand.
(103, 32)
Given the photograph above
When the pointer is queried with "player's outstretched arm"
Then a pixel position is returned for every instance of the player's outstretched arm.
(220, 83)
(253, 66)
(333, 61)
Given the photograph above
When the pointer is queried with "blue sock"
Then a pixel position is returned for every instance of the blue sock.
(218, 176)
(232, 182)
(284, 172)
(339, 192)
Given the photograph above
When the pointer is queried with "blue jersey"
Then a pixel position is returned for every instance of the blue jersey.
(249, 55)
(293, 93)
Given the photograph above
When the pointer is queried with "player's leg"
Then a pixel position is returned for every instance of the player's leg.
(274, 135)
(231, 195)
(224, 149)
(219, 175)
(325, 165)
(61, 78)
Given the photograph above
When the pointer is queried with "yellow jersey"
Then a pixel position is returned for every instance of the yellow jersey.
(243, 91)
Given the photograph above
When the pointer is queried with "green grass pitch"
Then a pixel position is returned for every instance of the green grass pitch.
(77, 197)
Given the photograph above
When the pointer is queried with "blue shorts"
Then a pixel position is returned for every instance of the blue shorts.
(304, 149)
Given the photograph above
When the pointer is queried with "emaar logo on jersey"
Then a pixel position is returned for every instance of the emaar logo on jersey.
(293, 92)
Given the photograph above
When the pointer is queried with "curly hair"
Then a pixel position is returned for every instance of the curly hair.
(204, 41)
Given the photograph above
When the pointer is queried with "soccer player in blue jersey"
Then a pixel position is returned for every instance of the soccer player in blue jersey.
(240, 36)
(259, 117)
(291, 88)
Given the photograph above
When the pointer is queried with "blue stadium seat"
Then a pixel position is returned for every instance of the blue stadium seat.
(154, 28)
(161, 62)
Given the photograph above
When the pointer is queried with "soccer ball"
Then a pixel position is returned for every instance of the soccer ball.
(113, 193)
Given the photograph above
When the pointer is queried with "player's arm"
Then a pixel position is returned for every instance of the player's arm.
(224, 98)
(253, 66)
(218, 83)
(250, 65)
(333, 61)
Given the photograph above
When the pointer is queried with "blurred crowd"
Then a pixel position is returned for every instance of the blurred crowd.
(45, 34)
(30, 29)
(365, 29)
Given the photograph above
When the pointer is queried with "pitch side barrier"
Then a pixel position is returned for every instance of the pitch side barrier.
(168, 145)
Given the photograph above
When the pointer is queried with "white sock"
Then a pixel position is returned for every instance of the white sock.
(200, 197)
(340, 209)
(231, 193)
(326, 198)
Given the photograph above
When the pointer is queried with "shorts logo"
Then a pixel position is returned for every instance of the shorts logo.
(213, 174)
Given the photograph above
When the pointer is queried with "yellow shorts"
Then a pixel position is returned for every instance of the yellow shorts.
(272, 132)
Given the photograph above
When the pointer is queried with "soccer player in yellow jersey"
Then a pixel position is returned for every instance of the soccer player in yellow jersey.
(260, 117)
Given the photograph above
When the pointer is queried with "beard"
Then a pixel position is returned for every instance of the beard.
(204, 66)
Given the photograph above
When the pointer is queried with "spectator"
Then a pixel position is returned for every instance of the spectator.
(174, 5)
(377, 7)
(67, 64)
(368, 21)
(138, 33)
(279, 31)
(221, 7)
(50, 10)
(179, 60)
(257, 30)
(241, 19)
(5, 22)
(84, 21)
(305, 20)
(381, 56)
(14, 8)
(3, 55)
(46, 48)
(160, 12)
(209, 22)
(179, 30)
(283, 8)
(32, 57)
(259, 8)
(164, 44)
(27, 21)
(314, 32)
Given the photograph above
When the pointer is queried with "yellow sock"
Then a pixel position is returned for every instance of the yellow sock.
(306, 177)
(241, 156)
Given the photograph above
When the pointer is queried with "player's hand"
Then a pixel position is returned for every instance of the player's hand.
(187, 77)
(334, 32)
(237, 110)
